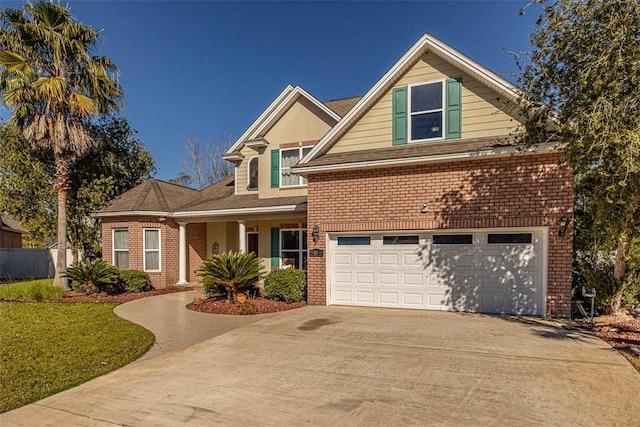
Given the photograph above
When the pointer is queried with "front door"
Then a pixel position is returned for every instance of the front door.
(252, 243)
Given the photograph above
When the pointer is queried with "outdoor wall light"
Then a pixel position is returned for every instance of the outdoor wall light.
(425, 208)
(563, 223)
(315, 232)
(162, 219)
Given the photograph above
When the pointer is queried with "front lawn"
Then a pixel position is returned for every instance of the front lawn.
(46, 348)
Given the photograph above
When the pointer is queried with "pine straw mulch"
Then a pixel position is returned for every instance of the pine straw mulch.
(73, 297)
(218, 305)
(621, 333)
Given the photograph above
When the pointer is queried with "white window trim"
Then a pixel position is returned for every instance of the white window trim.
(249, 174)
(410, 114)
(145, 250)
(300, 156)
(113, 244)
(300, 250)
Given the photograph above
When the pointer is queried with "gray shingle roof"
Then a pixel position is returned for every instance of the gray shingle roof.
(408, 151)
(10, 224)
(152, 196)
(343, 105)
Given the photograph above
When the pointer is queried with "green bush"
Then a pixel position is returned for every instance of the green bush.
(286, 285)
(248, 307)
(32, 290)
(233, 271)
(94, 276)
(135, 281)
(212, 289)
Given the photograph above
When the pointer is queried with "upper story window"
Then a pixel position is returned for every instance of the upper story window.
(151, 237)
(427, 114)
(121, 248)
(252, 179)
(427, 111)
(288, 158)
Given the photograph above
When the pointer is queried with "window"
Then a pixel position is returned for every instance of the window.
(453, 239)
(293, 248)
(252, 179)
(427, 115)
(509, 238)
(151, 249)
(288, 158)
(354, 241)
(121, 248)
(400, 240)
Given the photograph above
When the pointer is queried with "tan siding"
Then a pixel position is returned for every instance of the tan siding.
(242, 176)
(301, 123)
(483, 110)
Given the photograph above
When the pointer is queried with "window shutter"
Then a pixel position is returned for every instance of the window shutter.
(275, 247)
(275, 168)
(454, 108)
(400, 115)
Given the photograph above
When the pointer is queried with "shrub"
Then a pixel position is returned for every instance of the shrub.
(234, 271)
(135, 281)
(248, 307)
(33, 290)
(213, 289)
(93, 276)
(286, 285)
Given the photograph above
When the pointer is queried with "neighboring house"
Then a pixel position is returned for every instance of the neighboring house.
(413, 196)
(10, 232)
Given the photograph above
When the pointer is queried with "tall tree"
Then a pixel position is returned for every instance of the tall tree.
(118, 163)
(584, 74)
(55, 87)
(203, 164)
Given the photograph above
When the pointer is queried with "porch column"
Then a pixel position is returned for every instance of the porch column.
(182, 255)
(242, 238)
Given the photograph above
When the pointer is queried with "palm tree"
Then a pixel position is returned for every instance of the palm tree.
(55, 88)
(233, 271)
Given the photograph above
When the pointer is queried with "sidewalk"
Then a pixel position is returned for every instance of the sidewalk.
(176, 327)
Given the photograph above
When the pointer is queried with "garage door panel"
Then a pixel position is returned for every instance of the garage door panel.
(390, 260)
(364, 278)
(342, 259)
(478, 276)
(412, 299)
(388, 279)
(364, 297)
(365, 259)
(342, 278)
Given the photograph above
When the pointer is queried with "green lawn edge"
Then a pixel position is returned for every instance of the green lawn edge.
(46, 348)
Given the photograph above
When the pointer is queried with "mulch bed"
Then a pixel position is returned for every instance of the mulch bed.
(218, 305)
(73, 297)
(621, 333)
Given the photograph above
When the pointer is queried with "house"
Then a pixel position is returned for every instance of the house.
(415, 195)
(10, 232)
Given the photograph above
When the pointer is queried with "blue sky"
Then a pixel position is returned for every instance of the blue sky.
(209, 68)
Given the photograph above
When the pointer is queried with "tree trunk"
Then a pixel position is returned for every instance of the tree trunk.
(62, 187)
(619, 272)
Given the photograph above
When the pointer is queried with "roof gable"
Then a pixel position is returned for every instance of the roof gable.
(273, 113)
(427, 43)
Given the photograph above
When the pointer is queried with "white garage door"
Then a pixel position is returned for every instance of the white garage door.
(497, 271)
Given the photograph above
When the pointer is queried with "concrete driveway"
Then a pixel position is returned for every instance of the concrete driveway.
(368, 367)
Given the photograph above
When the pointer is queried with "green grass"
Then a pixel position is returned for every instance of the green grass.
(32, 290)
(46, 348)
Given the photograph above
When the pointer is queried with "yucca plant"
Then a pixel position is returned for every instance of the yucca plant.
(93, 276)
(235, 271)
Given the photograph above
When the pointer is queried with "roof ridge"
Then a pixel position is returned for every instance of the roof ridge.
(160, 195)
(144, 192)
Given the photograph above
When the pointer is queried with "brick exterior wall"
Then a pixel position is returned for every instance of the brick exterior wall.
(169, 232)
(515, 191)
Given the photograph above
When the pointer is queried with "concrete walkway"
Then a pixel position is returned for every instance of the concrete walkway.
(345, 366)
(174, 326)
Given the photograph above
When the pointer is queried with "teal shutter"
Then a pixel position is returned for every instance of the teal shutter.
(400, 115)
(453, 109)
(275, 247)
(275, 168)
